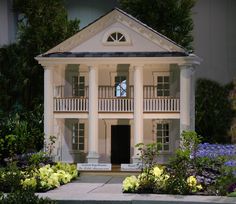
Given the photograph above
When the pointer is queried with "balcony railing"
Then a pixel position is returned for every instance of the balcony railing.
(161, 105)
(71, 104)
(108, 102)
(116, 105)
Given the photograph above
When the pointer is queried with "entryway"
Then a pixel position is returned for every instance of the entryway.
(120, 144)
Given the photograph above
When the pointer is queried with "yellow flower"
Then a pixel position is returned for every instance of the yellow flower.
(157, 172)
(199, 187)
(29, 182)
(130, 183)
(192, 181)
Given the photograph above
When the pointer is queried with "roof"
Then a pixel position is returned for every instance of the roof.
(116, 54)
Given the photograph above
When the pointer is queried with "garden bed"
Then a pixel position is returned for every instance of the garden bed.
(196, 169)
(36, 173)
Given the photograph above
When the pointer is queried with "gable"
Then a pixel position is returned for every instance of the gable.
(137, 42)
(141, 37)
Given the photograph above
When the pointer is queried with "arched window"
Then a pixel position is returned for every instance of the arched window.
(116, 37)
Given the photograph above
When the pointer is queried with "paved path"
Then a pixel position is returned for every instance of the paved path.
(108, 189)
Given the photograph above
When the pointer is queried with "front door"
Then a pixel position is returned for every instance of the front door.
(120, 144)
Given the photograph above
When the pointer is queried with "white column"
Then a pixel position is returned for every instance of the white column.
(138, 109)
(192, 108)
(93, 156)
(48, 104)
(186, 97)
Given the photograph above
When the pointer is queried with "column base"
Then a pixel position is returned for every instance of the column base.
(136, 160)
(93, 158)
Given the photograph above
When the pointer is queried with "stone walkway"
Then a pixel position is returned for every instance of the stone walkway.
(108, 189)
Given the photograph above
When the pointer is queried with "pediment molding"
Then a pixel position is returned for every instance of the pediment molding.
(112, 17)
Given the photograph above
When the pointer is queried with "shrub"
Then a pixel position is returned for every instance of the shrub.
(49, 177)
(24, 197)
(214, 111)
(10, 178)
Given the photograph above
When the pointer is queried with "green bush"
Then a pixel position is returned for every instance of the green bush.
(21, 133)
(24, 197)
(10, 178)
(214, 111)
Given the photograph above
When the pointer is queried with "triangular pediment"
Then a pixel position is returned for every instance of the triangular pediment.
(139, 37)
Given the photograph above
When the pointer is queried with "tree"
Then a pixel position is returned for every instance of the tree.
(42, 25)
(214, 111)
(171, 18)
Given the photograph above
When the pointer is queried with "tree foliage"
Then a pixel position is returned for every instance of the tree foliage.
(214, 112)
(171, 18)
(42, 24)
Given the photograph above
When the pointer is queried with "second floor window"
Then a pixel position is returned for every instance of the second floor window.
(163, 86)
(120, 86)
(78, 86)
(78, 136)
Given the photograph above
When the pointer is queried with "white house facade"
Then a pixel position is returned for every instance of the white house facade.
(114, 84)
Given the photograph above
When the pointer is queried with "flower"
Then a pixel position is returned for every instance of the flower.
(130, 184)
(192, 181)
(157, 172)
(29, 182)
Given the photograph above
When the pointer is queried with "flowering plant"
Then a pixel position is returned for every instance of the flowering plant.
(49, 177)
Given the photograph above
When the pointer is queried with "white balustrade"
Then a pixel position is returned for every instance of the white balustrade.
(70, 104)
(108, 102)
(161, 105)
(115, 105)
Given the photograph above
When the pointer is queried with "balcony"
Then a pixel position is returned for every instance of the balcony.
(108, 102)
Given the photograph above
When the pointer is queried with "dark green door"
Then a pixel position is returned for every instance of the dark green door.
(120, 144)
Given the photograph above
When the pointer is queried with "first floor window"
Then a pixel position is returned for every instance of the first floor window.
(162, 135)
(78, 136)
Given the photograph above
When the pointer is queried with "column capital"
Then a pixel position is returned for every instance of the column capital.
(185, 65)
(188, 67)
(48, 67)
(137, 65)
(92, 66)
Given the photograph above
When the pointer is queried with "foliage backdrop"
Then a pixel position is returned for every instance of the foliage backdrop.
(171, 18)
(42, 24)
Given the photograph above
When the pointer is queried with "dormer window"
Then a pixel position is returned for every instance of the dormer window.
(116, 37)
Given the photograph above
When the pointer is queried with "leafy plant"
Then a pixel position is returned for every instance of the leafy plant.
(10, 178)
(214, 111)
(148, 154)
(24, 197)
